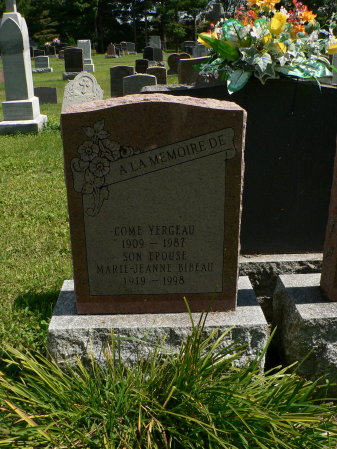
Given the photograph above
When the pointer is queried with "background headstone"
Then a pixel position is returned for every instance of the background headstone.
(46, 95)
(199, 50)
(117, 74)
(155, 42)
(38, 52)
(61, 54)
(73, 62)
(21, 110)
(158, 54)
(124, 47)
(81, 89)
(148, 53)
(188, 46)
(131, 48)
(135, 193)
(133, 84)
(42, 65)
(88, 64)
(141, 65)
(159, 72)
(111, 51)
(173, 62)
(187, 74)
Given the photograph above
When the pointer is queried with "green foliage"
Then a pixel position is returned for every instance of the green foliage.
(197, 399)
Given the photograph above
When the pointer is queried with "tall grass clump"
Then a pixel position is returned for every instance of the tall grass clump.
(197, 398)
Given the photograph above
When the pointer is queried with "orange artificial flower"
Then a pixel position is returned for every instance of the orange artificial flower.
(297, 29)
(308, 16)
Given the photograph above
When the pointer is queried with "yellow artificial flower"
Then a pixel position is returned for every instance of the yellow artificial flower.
(277, 23)
(266, 39)
(269, 4)
(202, 41)
(308, 16)
(280, 47)
(332, 49)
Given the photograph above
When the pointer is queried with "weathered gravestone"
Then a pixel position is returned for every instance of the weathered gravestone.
(61, 54)
(73, 62)
(199, 50)
(131, 48)
(38, 52)
(111, 51)
(187, 73)
(133, 84)
(117, 74)
(154, 216)
(148, 53)
(88, 65)
(42, 65)
(46, 94)
(188, 46)
(21, 109)
(158, 54)
(173, 62)
(159, 72)
(141, 65)
(81, 89)
(155, 42)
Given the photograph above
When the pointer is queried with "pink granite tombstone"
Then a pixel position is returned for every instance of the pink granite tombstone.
(154, 202)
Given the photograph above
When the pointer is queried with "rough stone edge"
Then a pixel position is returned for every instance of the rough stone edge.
(306, 326)
(71, 336)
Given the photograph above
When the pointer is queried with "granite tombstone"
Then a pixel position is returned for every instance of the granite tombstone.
(73, 62)
(46, 94)
(42, 65)
(154, 216)
(159, 72)
(21, 110)
(117, 74)
(111, 51)
(133, 84)
(173, 62)
(141, 65)
(148, 53)
(85, 44)
(155, 42)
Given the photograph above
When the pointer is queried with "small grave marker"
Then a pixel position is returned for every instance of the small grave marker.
(46, 94)
(159, 72)
(73, 62)
(154, 216)
(42, 65)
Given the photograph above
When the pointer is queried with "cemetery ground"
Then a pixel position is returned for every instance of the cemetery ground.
(196, 399)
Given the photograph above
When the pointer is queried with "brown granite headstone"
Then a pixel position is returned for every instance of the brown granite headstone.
(329, 268)
(154, 216)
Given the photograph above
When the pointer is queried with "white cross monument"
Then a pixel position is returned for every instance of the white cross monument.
(21, 109)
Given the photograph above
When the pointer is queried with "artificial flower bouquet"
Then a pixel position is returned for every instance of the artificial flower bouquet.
(268, 41)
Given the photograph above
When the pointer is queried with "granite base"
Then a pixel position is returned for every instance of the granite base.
(23, 126)
(306, 325)
(72, 336)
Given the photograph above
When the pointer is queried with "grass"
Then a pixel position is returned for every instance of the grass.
(34, 237)
(196, 399)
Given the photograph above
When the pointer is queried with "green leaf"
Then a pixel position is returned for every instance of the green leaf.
(237, 80)
(234, 31)
(262, 61)
(223, 49)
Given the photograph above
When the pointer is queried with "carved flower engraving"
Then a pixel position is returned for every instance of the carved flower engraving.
(92, 168)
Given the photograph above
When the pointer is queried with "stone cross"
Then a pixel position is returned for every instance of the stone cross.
(11, 5)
